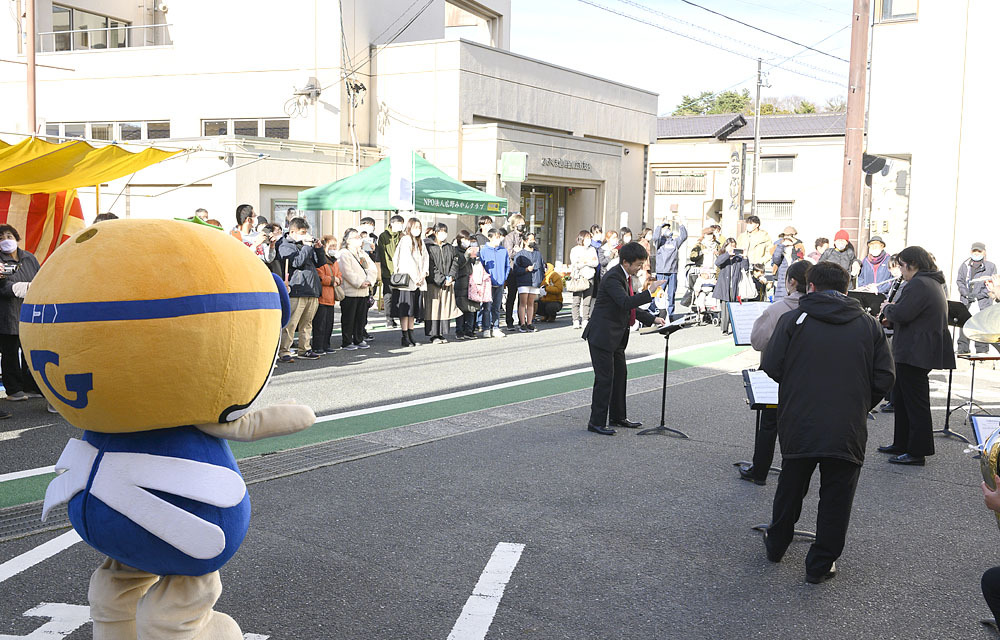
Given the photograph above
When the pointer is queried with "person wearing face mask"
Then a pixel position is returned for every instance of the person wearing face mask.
(732, 268)
(485, 224)
(976, 267)
(528, 273)
(646, 242)
(755, 242)
(512, 243)
(302, 255)
(842, 253)
(609, 250)
(442, 270)
(359, 274)
(787, 251)
(19, 268)
(409, 264)
(467, 256)
(385, 249)
(584, 261)
(667, 245)
(874, 276)
(331, 279)
(368, 240)
(496, 261)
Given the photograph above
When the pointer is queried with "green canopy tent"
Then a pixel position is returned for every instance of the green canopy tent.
(368, 190)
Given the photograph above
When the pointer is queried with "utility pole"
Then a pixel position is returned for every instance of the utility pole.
(29, 19)
(761, 81)
(850, 200)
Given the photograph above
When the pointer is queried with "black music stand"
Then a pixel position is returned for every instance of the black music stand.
(666, 331)
(870, 302)
(757, 408)
(958, 315)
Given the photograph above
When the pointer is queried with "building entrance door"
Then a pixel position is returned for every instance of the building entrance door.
(542, 208)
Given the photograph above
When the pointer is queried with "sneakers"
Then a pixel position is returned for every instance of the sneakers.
(522, 328)
(286, 359)
(310, 355)
(363, 345)
(332, 350)
(4, 415)
(350, 347)
(369, 336)
(531, 328)
(48, 408)
(460, 336)
(17, 396)
(577, 324)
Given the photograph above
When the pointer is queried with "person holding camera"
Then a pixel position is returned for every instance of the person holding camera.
(732, 264)
(668, 247)
(18, 269)
(301, 254)
(787, 251)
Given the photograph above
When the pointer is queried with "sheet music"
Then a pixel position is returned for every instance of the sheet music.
(655, 328)
(762, 390)
(743, 316)
(984, 426)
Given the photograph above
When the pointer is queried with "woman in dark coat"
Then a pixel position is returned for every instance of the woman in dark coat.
(467, 256)
(442, 271)
(19, 269)
(731, 267)
(921, 342)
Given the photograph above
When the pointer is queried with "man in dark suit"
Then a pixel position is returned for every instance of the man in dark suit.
(615, 310)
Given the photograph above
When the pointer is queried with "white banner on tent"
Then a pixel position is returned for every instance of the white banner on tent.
(401, 190)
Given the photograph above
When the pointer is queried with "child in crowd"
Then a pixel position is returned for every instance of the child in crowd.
(329, 276)
(551, 301)
(528, 272)
(496, 261)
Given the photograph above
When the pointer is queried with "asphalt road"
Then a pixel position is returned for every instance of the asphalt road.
(625, 537)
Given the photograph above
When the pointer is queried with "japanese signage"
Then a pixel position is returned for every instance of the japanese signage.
(559, 163)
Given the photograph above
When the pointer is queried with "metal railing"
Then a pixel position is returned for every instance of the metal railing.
(120, 37)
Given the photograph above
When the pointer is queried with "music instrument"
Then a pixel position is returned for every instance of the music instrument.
(981, 279)
(989, 451)
(888, 299)
(984, 326)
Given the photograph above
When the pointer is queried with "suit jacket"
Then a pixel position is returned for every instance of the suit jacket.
(609, 315)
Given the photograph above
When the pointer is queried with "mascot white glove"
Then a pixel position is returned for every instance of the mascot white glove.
(20, 289)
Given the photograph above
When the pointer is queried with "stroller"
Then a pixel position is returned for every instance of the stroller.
(708, 308)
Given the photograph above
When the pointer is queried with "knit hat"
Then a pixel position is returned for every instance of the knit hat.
(842, 235)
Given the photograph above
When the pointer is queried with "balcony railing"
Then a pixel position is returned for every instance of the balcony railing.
(119, 37)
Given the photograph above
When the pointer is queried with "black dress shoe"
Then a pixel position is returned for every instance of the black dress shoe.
(823, 577)
(771, 555)
(887, 408)
(604, 431)
(891, 448)
(906, 458)
(747, 474)
(625, 423)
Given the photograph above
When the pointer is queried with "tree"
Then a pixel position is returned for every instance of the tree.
(836, 103)
(805, 107)
(708, 102)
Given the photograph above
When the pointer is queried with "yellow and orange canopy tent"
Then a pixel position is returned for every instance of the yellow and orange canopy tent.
(39, 179)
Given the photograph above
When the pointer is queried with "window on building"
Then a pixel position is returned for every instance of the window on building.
(899, 10)
(775, 214)
(680, 182)
(245, 127)
(62, 21)
(52, 129)
(75, 130)
(270, 127)
(102, 131)
(130, 131)
(214, 127)
(776, 164)
(157, 130)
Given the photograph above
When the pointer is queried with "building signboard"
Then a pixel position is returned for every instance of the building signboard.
(559, 163)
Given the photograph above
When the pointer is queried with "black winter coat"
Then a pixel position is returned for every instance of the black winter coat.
(462, 283)
(10, 305)
(844, 258)
(609, 315)
(442, 262)
(731, 270)
(302, 260)
(823, 410)
(920, 319)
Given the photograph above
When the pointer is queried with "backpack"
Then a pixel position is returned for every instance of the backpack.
(480, 284)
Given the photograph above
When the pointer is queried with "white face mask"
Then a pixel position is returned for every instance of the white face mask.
(415, 232)
(976, 256)
(367, 229)
(354, 243)
(875, 251)
(331, 252)
(8, 245)
(396, 227)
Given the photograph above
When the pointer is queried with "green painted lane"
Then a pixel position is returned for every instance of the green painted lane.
(24, 490)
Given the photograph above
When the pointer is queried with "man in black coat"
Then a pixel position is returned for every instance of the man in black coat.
(823, 411)
(615, 309)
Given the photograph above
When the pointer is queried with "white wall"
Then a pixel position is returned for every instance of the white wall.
(935, 102)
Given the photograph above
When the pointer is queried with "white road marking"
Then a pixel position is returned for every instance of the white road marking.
(16, 433)
(15, 475)
(246, 636)
(477, 614)
(44, 551)
(65, 619)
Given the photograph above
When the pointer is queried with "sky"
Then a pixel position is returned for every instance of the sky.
(574, 34)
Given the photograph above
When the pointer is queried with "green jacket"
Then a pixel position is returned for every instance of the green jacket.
(385, 250)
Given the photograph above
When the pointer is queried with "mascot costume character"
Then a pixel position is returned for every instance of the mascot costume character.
(156, 337)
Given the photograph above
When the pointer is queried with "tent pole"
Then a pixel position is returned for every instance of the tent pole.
(97, 199)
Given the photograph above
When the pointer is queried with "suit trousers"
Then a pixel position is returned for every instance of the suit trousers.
(838, 481)
(14, 366)
(911, 397)
(763, 445)
(610, 379)
(991, 590)
(353, 315)
(511, 299)
(323, 327)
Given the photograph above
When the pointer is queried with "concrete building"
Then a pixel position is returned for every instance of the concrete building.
(695, 172)
(319, 90)
(931, 101)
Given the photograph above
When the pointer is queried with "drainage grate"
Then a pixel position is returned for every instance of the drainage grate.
(285, 463)
(26, 519)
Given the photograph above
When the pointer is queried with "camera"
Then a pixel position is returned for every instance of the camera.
(738, 252)
(8, 268)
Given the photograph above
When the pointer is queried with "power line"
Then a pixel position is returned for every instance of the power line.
(790, 13)
(406, 26)
(773, 35)
(724, 36)
(702, 41)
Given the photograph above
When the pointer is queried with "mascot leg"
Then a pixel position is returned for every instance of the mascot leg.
(115, 590)
(180, 608)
